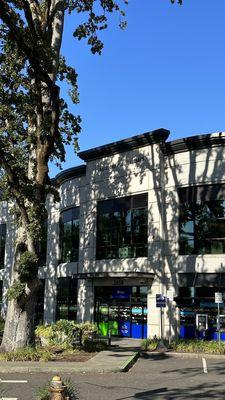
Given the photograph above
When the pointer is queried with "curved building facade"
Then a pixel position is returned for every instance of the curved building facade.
(140, 225)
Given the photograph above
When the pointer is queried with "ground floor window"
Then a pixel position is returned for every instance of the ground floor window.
(39, 314)
(121, 310)
(66, 307)
(196, 301)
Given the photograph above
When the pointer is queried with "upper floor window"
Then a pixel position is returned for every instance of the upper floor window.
(202, 222)
(2, 244)
(69, 234)
(122, 227)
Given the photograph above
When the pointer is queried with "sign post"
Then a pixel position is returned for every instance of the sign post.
(161, 302)
(218, 300)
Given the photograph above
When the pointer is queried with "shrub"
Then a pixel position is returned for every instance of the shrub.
(92, 346)
(88, 330)
(198, 346)
(65, 333)
(45, 334)
(150, 344)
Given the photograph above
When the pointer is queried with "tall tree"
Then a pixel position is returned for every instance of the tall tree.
(35, 125)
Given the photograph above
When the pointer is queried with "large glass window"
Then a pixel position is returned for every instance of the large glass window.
(2, 244)
(122, 227)
(69, 235)
(66, 299)
(202, 227)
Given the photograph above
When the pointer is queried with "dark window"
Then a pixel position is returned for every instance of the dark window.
(202, 225)
(44, 238)
(122, 227)
(69, 234)
(2, 244)
(66, 299)
(39, 314)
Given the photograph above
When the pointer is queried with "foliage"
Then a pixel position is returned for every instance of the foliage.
(71, 391)
(186, 346)
(150, 344)
(96, 345)
(66, 332)
(44, 331)
(27, 266)
(198, 346)
(27, 354)
(16, 290)
(36, 124)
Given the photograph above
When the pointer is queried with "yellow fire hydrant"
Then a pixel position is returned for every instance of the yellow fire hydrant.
(57, 389)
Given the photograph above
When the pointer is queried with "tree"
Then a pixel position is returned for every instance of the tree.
(35, 125)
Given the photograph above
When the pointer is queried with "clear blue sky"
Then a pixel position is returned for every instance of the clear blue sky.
(166, 70)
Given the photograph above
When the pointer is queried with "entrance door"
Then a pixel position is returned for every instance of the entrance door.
(122, 311)
(124, 321)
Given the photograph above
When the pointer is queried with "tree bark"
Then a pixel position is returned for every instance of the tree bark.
(20, 318)
(19, 325)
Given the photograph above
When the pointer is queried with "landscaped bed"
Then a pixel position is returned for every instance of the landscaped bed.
(186, 346)
(62, 341)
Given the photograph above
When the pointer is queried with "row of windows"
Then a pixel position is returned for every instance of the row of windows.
(122, 228)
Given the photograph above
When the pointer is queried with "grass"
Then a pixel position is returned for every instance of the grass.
(187, 346)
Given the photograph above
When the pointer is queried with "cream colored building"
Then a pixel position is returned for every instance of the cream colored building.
(142, 216)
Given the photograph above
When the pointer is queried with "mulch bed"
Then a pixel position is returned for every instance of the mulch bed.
(76, 357)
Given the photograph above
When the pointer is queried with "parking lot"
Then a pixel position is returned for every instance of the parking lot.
(152, 377)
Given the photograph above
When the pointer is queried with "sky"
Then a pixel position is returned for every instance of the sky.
(165, 70)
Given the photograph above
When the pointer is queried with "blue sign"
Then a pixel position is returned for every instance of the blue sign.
(121, 292)
(160, 300)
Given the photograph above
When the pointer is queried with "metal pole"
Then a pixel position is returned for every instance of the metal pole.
(218, 317)
(161, 323)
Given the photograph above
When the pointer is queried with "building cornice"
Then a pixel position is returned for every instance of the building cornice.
(145, 139)
(193, 143)
(71, 173)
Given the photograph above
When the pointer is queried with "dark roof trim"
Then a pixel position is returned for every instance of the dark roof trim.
(156, 136)
(193, 143)
(70, 173)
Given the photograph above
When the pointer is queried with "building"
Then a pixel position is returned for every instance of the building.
(142, 216)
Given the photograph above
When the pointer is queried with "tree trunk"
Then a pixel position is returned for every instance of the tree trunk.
(19, 325)
(20, 318)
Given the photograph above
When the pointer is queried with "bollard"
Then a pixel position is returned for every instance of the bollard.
(109, 337)
(57, 389)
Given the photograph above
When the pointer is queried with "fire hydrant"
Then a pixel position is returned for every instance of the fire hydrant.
(57, 389)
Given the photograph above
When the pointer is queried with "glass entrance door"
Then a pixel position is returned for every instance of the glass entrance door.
(122, 311)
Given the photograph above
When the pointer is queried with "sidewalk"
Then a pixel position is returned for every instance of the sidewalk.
(121, 355)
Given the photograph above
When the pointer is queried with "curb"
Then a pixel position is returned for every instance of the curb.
(49, 367)
(130, 362)
(187, 355)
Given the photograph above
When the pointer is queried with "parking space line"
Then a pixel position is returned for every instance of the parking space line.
(12, 381)
(204, 364)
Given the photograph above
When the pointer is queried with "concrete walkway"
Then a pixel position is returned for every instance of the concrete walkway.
(120, 356)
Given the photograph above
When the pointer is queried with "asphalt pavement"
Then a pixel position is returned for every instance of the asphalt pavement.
(156, 376)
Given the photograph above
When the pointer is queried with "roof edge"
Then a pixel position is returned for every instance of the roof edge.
(144, 139)
(193, 143)
(70, 173)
